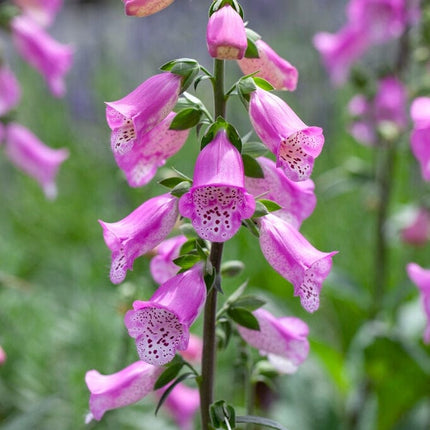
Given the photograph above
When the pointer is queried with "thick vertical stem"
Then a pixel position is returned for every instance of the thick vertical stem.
(209, 338)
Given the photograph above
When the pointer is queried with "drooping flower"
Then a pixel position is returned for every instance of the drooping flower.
(421, 278)
(339, 51)
(10, 92)
(362, 127)
(161, 325)
(162, 266)
(283, 340)
(217, 202)
(420, 138)
(138, 112)
(120, 389)
(294, 143)
(297, 199)
(41, 11)
(49, 57)
(33, 157)
(293, 257)
(150, 152)
(3, 356)
(142, 8)
(418, 230)
(194, 350)
(138, 233)
(226, 35)
(271, 67)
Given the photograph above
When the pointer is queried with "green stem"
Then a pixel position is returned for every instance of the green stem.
(209, 323)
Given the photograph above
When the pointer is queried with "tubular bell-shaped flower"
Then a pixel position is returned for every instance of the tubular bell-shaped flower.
(41, 11)
(297, 199)
(161, 325)
(271, 67)
(150, 152)
(420, 138)
(421, 278)
(49, 57)
(294, 143)
(217, 202)
(226, 36)
(120, 389)
(293, 257)
(10, 91)
(162, 266)
(142, 8)
(135, 114)
(138, 233)
(33, 157)
(283, 340)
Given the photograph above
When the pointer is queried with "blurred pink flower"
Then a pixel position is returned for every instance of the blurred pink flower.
(3, 356)
(194, 350)
(49, 57)
(41, 11)
(418, 230)
(145, 7)
(33, 157)
(10, 91)
(271, 67)
(420, 138)
(362, 127)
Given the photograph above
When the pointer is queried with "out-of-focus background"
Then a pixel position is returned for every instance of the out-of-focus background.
(60, 315)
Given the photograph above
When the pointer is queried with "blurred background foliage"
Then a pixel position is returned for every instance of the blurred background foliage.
(60, 315)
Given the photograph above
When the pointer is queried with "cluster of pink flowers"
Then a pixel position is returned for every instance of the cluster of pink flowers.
(144, 134)
(52, 60)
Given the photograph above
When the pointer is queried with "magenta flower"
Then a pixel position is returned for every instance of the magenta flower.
(33, 157)
(418, 231)
(294, 143)
(135, 114)
(138, 233)
(283, 340)
(421, 278)
(218, 202)
(49, 57)
(297, 199)
(226, 35)
(162, 266)
(161, 325)
(41, 11)
(271, 67)
(10, 92)
(150, 151)
(145, 7)
(293, 257)
(120, 389)
(340, 51)
(420, 138)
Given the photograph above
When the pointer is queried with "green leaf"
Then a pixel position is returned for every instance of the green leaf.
(265, 422)
(232, 268)
(223, 332)
(243, 317)
(270, 205)
(181, 189)
(254, 149)
(251, 303)
(168, 375)
(188, 247)
(171, 182)
(187, 261)
(251, 167)
(186, 118)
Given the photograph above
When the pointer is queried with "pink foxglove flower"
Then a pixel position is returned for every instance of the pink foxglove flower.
(340, 51)
(161, 325)
(271, 67)
(226, 35)
(150, 152)
(120, 389)
(182, 404)
(218, 202)
(418, 231)
(41, 11)
(33, 157)
(135, 114)
(145, 7)
(421, 278)
(297, 199)
(138, 233)
(46, 55)
(162, 266)
(3, 356)
(420, 138)
(293, 257)
(283, 340)
(362, 127)
(10, 92)
(294, 143)
(194, 350)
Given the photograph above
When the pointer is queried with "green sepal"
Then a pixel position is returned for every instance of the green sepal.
(169, 374)
(218, 4)
(222, 124)
(252, 37)
(187, 261)
(251, 303)
(220, 412)
(188, 231)
(232, 268)
(171, 182)
(270, 205)
(263, 84)
(251, 167)
(250, 225)
(188, 246)
(223, 332)
(185, 67)
(180, 189)
(243, 317)
(186, 118)
(253, 149)
(265, 422)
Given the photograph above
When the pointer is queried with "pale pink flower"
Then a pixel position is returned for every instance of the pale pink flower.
(420, 138)
(3, 356)
(362, 127)
(145, 7)
(10, 91)
(41, 11)
(418, 230)
(194, 350)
